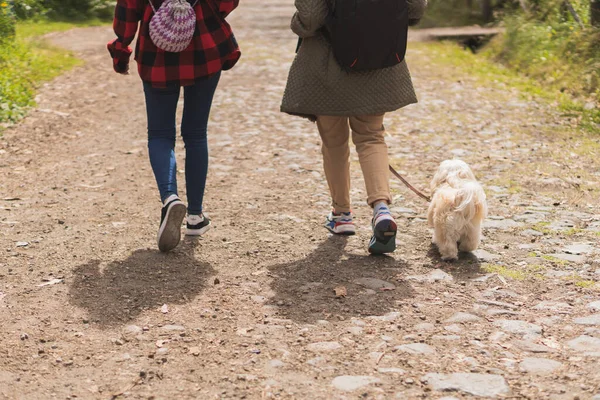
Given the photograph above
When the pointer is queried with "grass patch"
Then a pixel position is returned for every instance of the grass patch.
(485, 69)
(30, 29)
(554, 260)
(27, 62)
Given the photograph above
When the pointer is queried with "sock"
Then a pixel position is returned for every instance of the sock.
(381, 206)
(170, 199)
(195, 219)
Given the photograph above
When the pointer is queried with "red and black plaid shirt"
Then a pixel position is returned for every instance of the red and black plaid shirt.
(212, 49)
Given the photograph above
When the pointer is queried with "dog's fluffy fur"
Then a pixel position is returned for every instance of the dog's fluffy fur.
(457, 209)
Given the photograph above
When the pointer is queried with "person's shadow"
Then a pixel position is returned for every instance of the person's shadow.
(305, 289)
(118, 292)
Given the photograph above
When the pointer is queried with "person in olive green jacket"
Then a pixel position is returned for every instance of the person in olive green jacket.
(340, 101)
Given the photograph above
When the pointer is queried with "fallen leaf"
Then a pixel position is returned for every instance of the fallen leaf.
(340, 291)
(51, 282)
(11, 199)
(164, 309)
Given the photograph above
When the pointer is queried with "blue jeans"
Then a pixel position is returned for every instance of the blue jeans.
(161, 107)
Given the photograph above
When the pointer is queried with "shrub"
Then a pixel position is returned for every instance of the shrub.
(64, 10)
(7, 22)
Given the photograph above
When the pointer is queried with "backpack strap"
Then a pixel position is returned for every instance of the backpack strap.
(154, 8)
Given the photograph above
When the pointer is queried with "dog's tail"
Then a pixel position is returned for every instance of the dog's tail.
(470, 201)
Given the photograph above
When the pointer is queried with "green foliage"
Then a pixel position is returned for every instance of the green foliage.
(64, 10)
(444, 13)
(24, 64)
(557, 53)
(7, 22)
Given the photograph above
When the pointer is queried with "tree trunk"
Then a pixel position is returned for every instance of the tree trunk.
(595, 12)
(487, 12)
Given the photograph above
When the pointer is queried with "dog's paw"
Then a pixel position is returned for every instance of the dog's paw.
(449, 259)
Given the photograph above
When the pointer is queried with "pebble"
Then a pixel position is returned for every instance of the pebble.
(416, 348)
(486, 256)
(531, 347)
(578, 249)
(398, 371)
(539, 366)
(133, 329)
(552, 306)
(519, 327)
(349, 383)
(454, 328)
(276, 364)
(594, 306)
(387, 317)
(259, 299)
(355, 330)
(173, 328)
(483, 385)
(591, 320)
(586, 344)
(505, 224)
(374, 284)
(424, 327)
(531, 232)
(195, 351)
(316, 361)
(462, 318)
(324, 346)
(437, 275)
(446, 337)
(162, 351)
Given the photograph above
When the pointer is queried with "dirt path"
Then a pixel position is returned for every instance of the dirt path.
(91, 310)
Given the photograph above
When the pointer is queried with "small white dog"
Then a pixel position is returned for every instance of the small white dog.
(458, 207)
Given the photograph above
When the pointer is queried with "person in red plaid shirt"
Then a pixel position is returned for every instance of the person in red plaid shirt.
(198, 69)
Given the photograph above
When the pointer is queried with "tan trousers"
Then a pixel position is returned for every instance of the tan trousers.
(368, 137)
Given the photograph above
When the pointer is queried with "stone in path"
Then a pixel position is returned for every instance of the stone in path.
(539, 366)
(437, 275)
(416, 348)
(552, 306)
(532, 347)
(591, 320)
(324, 346)
(486, 256)
(350, 383)
(462, 318)
(578, 249)
(483, 385)
(586, 344)
(519, 327)
(594, 306)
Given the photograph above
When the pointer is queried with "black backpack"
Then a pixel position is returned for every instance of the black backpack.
(368, 34)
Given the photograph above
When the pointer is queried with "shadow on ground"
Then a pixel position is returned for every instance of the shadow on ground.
(118, 292)
(304, 289)
(467, 267)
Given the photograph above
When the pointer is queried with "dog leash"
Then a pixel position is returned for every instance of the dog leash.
(408, 185)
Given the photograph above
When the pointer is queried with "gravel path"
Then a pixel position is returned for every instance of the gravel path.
(91, 310)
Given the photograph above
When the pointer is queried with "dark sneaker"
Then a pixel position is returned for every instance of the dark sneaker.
(197, 225)
(172, 214)
(340, 224)
(384, 232)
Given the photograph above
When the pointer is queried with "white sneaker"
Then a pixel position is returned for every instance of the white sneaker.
(171, 218)
(197, 225)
